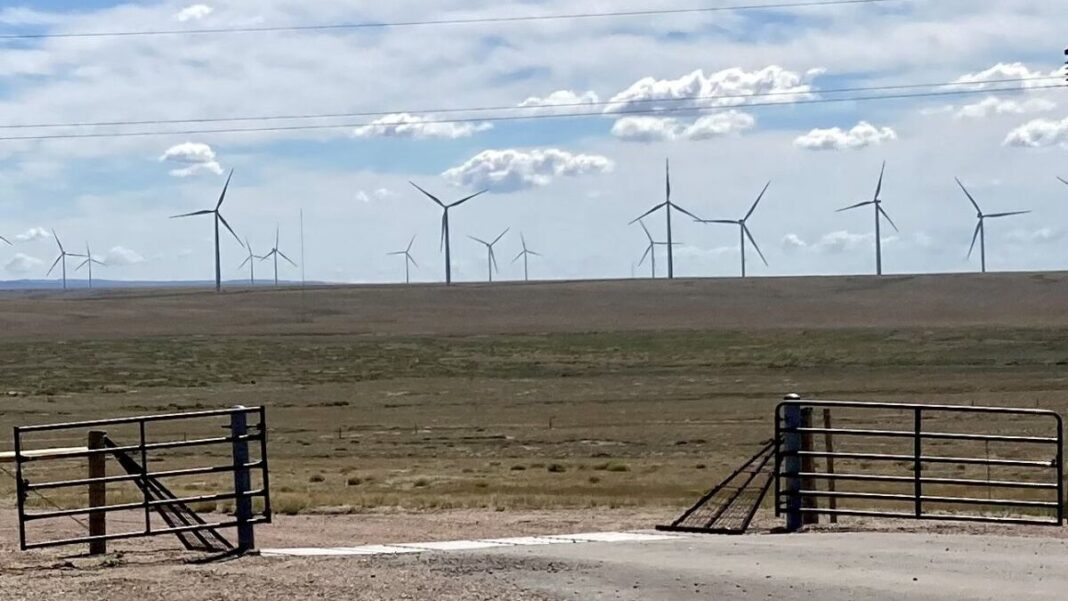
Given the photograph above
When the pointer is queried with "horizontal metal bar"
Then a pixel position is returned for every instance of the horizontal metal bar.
(193, 471)
(924, 480)
(921, 407)
(129, 535)
(155, 446)
(926, 499)
(927, 459)
(135, 420)
(929, 516)
(141, 504)
(924, 435)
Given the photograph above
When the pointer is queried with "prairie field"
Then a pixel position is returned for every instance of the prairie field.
(621, 394)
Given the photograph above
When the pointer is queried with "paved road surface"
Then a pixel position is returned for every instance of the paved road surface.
(823, 567)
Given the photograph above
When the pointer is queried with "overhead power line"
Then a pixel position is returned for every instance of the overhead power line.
(506, 118)
(444, 22)
(532, 108)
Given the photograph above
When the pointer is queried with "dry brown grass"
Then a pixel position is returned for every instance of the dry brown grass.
(605, 394)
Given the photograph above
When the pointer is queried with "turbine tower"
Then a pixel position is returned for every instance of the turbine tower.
(408, 260)
(251, 262)
(445, 238)
(88, 262)
(275, 253)
(667, 205)
(525, 255)
(218, 218)
(880, 214)
(491, 258)
(980, 228)
(744, 228)
(62, 258)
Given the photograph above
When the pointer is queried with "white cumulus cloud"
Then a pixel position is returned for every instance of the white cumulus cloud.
(195, 12)
(404, 125)
(729, 87)
(121, 256)
(510, 170)
(196, 156)
(793, 242)
(1003, 106)
(666, 129)
(22, 264)
(862, 135)
(379, 194)
(989, 78)
(1039, 133)
(560, 101)
(33, 234)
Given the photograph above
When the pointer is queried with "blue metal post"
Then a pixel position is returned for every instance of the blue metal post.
(246, 540)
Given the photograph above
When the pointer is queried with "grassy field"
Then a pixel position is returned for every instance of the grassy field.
(595, 395)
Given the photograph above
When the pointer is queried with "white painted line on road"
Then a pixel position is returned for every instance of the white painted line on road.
(471, 545)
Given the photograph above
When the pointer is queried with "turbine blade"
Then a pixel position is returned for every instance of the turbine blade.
(523, 238)
(283, 255)
(995, 215)
(101, 263)
(6, 240)
(277, 236)
(975, 237)
(667, 177)
(444, 230)
(245, 262)
(759, 198)
(649, 212)
(226, 187)
(879, 188)
(56, 236)
(536, 254)
(411, 243)
(412, 259)
(856, 206)
(223, 220)
(645, 256)
(429, 195)
(887, 216)
(725, 221)
(969, 195)
(267, 256)
(519, 256)
(58, 259)
(399, 252)
(498, 239)
(682, 210)
(194, 214)
(480, 241)
(493, 259)
(1063, 181)
(82, 264)
(749, 235)
(646, 230)
(463, 200)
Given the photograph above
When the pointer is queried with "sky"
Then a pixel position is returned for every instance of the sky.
(569, 186)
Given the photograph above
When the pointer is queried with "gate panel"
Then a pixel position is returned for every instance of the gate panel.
(927, 462)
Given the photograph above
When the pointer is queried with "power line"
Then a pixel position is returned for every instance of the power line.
(505, 118)
(480, 109)
(440, 22)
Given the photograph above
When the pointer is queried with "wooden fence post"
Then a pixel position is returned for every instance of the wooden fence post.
(98, 496)
(246, 540)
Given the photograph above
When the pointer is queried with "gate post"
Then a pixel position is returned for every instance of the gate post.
(246, 540)
(792, 463)
(97, 493)
(807, 466)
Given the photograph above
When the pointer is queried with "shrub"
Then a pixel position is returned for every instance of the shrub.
(556, 468)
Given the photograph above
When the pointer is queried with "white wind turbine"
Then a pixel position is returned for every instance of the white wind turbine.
(980, 228)
(409, 260)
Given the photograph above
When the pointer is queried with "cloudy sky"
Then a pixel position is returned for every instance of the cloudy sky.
(570, 184)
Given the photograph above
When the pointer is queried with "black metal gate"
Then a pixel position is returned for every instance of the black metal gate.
(927, 462)
(180, 443)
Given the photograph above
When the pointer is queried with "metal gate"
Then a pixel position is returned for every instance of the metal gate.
(179, 443)
(926, 462)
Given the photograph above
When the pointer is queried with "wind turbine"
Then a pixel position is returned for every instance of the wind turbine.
(63, 254)
(980, 228)
(445, 238)
(880, 214)
(275, 253)
(408, 260)
(251, 262)
(667, 205)
(491, 258)
(218, 218)
(525, 255)
(89, 261)
(744, 228)
(650, 251)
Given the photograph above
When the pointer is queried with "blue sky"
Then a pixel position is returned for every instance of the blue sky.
(571, 185)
